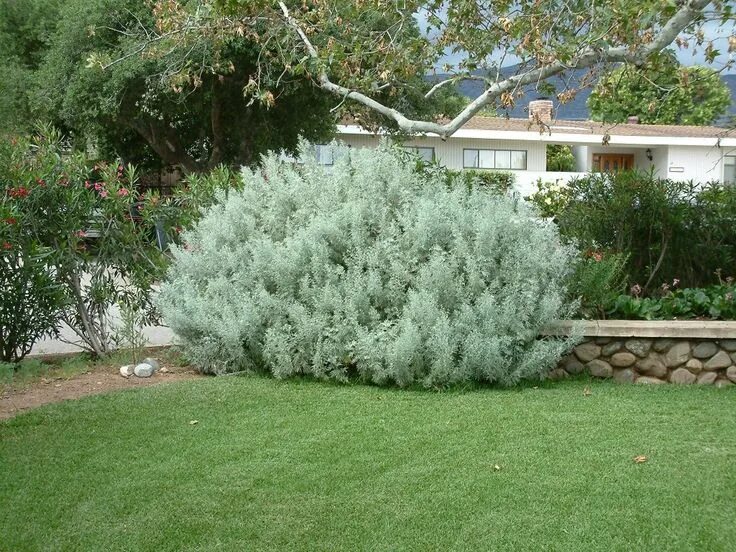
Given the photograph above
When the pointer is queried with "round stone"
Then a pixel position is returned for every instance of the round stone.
(627, 375)
(649, 380)
(728, 345)
(611, 348)
(599, 368)
(126, 371)
(651, 366)
(707, 378)
(622, 360)
(587, 351)
(153, 362)
(640, 347)
(143, 370)
(694, 365)
(573, 365)
(721, 383)
(602, 340)
(682, 376)
(661, 345)
(706, 349)
(557, 374)
(678, 354)
(731, 373)
(718, 361)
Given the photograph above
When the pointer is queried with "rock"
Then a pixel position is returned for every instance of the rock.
(640, 347)
(718, 361)
(682, 376)
(599, 368)
(143, 370)
(164, 370)
(126, 371)
(651, 366)
(661, 345)
(587, 351)
(705, 349)
(694, 365)
(678, 354)
(153, 362)
(557, 374)
(733, 357)
(648, 380)
(622, 360)
(611, 348)
(728, 345)
(721, 383)
(627, 375)
(573, 365)
(602, 340)
(731, 373)
(706, 378)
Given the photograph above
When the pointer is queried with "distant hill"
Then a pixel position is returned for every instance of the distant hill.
(575, 110)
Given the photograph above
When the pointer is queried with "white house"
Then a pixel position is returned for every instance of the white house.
(697, 153)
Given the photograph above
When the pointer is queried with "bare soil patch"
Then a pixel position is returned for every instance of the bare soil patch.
(97, 379)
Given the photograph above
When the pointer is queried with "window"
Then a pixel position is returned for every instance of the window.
(324, 154)
(424, 153)
(494, 159)
(729, 169)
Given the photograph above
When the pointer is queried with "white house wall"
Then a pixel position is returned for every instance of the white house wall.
(699, 164)
(450, 152)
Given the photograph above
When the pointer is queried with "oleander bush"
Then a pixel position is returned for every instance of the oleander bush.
(369, 270)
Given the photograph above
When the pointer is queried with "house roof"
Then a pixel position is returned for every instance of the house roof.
(584, 132)
(591, 127)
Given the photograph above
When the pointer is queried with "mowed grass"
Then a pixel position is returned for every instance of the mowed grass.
(300, 465)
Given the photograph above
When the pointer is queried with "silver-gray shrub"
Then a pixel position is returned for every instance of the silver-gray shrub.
(368, 270)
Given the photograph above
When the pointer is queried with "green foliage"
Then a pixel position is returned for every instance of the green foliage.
(499, 182)
(598, 280)
(30, 300)
(560, 158)
(663, 92)
(93, 232)
(714, 302)
(368, 269)
(669, 229)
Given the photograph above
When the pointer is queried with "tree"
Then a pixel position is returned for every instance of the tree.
(662, 93)
(363, 64)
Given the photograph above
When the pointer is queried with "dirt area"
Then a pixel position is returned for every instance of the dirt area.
(97, 379)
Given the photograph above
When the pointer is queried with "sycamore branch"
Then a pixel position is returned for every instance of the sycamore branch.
(589, 56)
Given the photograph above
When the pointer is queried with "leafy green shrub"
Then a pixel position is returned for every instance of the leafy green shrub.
(669, 229)
(598, 280)
(368, 269)
(714, 302)
(560, 158)
(499, 182)
(30, 303)
(95, 233)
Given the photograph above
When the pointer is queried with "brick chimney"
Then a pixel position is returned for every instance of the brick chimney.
(633, 120)
(540, 110)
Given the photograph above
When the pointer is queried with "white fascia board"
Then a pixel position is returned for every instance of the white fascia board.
(566, 138)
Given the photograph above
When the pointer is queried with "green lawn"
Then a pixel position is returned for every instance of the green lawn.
(300, 465)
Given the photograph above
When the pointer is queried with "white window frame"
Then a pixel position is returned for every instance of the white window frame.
(416, 150)
(495, 157)
(731, 157)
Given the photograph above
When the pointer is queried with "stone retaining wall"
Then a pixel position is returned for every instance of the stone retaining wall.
(678, 356)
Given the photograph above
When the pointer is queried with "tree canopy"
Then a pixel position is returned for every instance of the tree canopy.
(661, 93)
(365, 66)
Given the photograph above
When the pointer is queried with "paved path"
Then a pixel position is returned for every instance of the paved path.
(157, 335)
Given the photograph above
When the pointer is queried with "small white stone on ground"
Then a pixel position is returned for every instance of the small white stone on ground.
(152, 361)
(143, 370)
(126, 371)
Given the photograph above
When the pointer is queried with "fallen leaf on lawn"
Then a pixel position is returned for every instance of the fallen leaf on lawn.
(496, 467)
(587, 392)
(640, 459)
(194, 422)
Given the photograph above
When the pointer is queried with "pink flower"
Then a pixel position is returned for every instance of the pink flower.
(87, 184)
(122, 192)
(80, 233)
(98, 186)
(103, 193)
(10, 220)
(7, 245)
(636, 290)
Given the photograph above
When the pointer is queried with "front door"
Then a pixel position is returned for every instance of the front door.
(613, 162)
